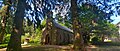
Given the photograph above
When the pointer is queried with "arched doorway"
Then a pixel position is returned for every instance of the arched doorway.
(47, 39)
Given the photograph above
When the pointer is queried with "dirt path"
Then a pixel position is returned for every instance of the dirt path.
(47, 48)
(64, 48)
(43, 47)
(3, 49)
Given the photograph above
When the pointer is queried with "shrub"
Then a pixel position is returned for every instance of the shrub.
(33, 37)
(7, 38)
(3, 45)
(95, 40)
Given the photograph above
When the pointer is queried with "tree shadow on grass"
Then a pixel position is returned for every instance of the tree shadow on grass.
(43, 48)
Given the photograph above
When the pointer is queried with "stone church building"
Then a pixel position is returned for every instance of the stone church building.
(63, 35)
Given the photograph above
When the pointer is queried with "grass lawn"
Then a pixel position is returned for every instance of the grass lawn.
(38, 47)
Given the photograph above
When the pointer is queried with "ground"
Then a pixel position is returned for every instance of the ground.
(37, 47)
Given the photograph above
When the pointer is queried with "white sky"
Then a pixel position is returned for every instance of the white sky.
(116, 19)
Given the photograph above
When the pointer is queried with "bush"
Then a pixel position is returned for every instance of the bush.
(3, 45)
(6, 38)
(36, 37)
(5, 41)
(33, 37)
(95, 40)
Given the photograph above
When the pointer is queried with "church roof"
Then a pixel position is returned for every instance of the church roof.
(62, 27)
(118, 23)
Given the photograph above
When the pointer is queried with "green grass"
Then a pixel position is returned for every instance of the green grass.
(3, 45)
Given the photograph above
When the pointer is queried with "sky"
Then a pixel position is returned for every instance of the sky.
(116, 19)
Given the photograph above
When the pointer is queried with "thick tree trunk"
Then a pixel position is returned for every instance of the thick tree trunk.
(15, 39)
(103, 37)
(78, 41)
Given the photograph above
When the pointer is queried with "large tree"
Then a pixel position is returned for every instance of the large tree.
(15, 39)
(78, 39)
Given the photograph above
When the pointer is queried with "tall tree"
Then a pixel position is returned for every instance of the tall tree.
(89, 16)
(15, 39)
(78, 41)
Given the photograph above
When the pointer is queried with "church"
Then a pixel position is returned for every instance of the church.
(62, 35)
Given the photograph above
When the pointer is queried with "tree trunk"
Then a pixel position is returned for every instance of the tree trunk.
(5, 12)
(103, 37)
(78, 39)
(15, 39)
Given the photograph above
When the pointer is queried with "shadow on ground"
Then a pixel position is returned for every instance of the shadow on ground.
(68, 48)
(48, 48)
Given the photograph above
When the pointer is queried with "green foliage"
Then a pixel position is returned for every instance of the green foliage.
(7, 38)
(3, 11)
(95, 40)
(3, 45)
(28, 28)
(22, 39)
(64, 21)
(5, 41)
(32, 32)
(95, 23)
(43, 23)
(8, 19)
(112, 30)
(36, 38)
